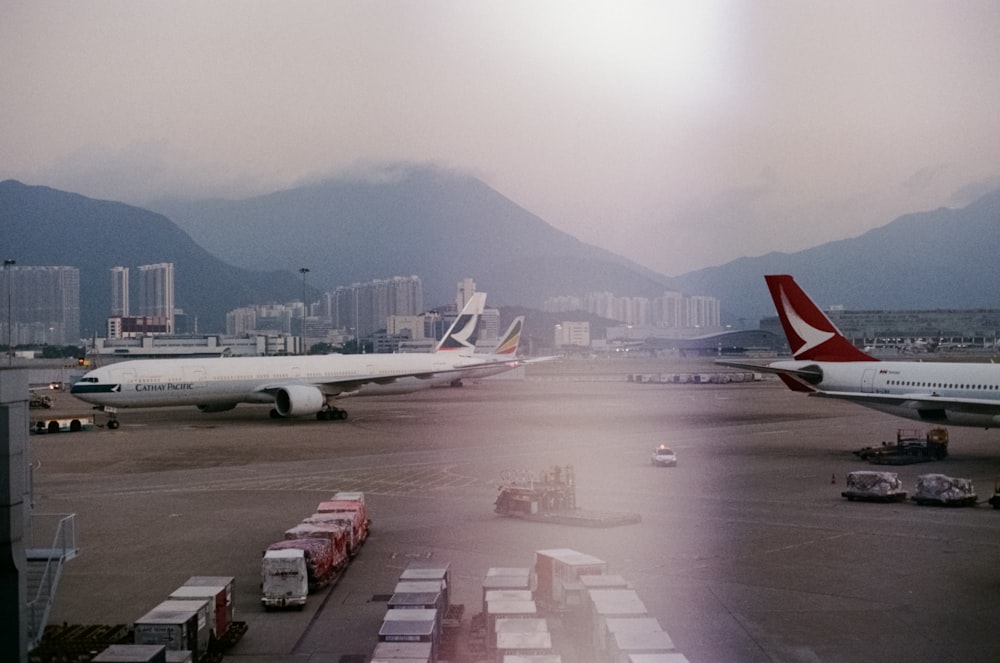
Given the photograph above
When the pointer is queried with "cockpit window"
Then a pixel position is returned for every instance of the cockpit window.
(88, 380)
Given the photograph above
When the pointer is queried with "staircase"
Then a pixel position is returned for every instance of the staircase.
(44, 566)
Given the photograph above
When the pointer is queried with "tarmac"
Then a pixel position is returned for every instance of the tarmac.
(745, 551)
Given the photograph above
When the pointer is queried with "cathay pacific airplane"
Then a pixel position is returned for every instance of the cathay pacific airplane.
(296, 386)
(827, 365)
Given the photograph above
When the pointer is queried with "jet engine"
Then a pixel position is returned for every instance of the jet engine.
(215, 407)
(296, 400)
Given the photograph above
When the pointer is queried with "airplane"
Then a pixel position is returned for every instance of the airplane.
(295, 385)
(827, 365)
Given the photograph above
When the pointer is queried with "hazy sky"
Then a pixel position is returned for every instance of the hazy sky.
(678, 134)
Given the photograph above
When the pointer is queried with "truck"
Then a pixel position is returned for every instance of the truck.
(284, 579)
(62, 424)
(911, 446)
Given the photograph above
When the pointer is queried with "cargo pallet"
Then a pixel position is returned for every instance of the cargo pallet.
(79, 643)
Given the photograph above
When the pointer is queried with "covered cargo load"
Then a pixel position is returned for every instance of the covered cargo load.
(355, 509)
(337, 533)
(874, 486)
(942, 490)
(322, 562)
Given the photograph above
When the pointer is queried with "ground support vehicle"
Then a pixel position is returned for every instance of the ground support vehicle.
(284, 579)
(941, 490)
(874, 486)
(995, 499)
(551, 498)
(62, 424)
(663, 456)
(911, 446)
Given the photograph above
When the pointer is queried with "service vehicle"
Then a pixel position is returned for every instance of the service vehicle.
(284, 579)
(664, 456)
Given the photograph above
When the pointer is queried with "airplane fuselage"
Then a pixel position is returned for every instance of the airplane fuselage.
(216, 383)
(963, 394)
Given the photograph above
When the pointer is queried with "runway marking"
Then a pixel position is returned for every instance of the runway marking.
(376, 481)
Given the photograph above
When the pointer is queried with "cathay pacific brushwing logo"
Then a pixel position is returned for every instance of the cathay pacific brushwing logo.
(811, 336)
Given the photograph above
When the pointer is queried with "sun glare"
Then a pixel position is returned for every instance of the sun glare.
(662, 43)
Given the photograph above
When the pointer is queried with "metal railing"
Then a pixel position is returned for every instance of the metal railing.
(55, 549)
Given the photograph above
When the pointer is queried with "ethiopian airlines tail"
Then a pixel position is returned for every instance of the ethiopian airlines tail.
(508, 344)
(460, 337)
(810, 334)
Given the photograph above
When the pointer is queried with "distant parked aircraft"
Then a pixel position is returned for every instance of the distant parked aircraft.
(827, 365)
(297, 385)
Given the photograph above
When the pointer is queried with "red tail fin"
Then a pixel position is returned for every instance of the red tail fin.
(810, 333)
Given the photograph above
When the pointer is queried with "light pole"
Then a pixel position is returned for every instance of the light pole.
(303, 271)
(7, 265)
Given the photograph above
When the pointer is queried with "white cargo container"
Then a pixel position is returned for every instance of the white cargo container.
(623, 645)
(225, 613)
(523, 644)
(496, 610)
(132, 654)
(558, 574)
(201, 606)
(419, 570)
(207, 594)
(284, 579)
(402, 651)
(608, 603)
(175, 628)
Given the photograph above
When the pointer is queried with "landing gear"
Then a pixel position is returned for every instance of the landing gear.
(113, 422)
(331, 414)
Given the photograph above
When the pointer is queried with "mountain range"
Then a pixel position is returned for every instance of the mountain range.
(445, 226)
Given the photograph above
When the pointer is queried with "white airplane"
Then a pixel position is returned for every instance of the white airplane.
(296, 385)
(827, 365)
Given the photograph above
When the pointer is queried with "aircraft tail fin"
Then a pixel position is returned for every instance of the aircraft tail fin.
(810, 334)
(461, 335)
(511, 339)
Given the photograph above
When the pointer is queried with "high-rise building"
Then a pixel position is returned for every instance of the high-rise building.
(44, 307)
(119, 292)
(466, 289)
(156, 293)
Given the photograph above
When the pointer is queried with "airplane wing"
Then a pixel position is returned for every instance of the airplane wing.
(353, 383)
(806, 373)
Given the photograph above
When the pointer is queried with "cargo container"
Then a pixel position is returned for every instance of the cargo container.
(202, 607)
(497, 610)
(415, 600)
(522, 644)
(175, 628)
(609, 603)
(399, 652)
(558, 572)
(218, 590)
(422, 570)
(538, 658)
(284, 579)
(625, 644)
(132, 654)
(412, 626)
